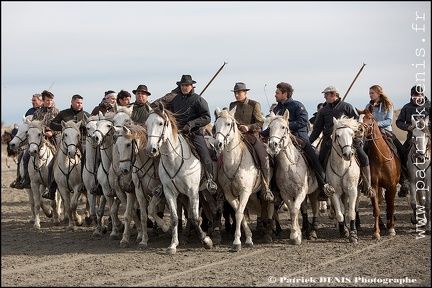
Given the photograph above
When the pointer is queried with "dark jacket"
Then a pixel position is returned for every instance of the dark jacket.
(103, 107)
(324, 118)
(409, 109)
(248, 113)
(70, 114)
(190, 109)
(298, 118)
(140, 112)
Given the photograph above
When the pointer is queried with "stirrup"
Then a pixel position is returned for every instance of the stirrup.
(211, 186)
(370, 192)
(268, 196)
(328, 189)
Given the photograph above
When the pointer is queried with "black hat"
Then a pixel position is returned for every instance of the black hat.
(240, 86)
(186, 79)
(142, 88)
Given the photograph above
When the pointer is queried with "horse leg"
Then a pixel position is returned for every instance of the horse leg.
(130, 199)
(172, 204)
(376, 213)
(32, 205)
(37, 203)
(313, 235)
(194, 218)
(294, 207)
(236, 246)
(116, 223)
(142, 202)
(390, 198)
(337, 205)
(100, 227)
(353, 238)
(74, 206)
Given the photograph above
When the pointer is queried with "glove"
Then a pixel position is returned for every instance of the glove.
(186, 129)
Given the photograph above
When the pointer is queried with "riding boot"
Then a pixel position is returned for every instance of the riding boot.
(25, 183)
(266, 193)
(50, 192)
(366, 176)
(17, 180)
(211, 184)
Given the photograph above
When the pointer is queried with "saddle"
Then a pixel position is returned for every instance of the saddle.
(389, 137)
(300, 143)
(189, 140)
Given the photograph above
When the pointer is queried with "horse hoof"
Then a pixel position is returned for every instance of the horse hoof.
(88, 221)
(295, 241)
(208, 244)
(216, 237)
(313, 235)
(392, 232)
(235, 248)
(142, 245)
(171, 251)
(124, 244)
(268, 238)
(376, 237)
(32, 221)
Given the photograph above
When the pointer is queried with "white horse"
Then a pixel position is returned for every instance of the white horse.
(343, 173)
(41, 153)
(89, 176)
(294, 177)
(180, 172)
(133, 161)
(239, 177)
(419, 166)
(67, 172)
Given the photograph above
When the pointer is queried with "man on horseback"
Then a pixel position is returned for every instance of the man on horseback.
(335, 107)
(36, 104)
(76, 113)
(45, 113)
(383, 113)
(250, 120)
(298, 121)
(419, 105)
(192, 113)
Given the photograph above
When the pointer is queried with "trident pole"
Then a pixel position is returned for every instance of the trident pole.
(208, 84)
(352, 83)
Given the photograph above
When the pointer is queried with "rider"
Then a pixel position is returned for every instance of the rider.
(250, 120)
(335, 107)
(76, 113)
(383, 113)
(419, 105)
(36, 104)
(45, 113)
(298, 120)
(192, 113)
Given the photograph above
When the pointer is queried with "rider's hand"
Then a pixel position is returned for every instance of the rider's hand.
(186, 129)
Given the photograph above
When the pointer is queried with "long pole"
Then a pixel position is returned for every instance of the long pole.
(352, 83)
(51, 86)
(208, 84)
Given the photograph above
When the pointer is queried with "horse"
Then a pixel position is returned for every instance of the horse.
(41, 152)
(131, 141)
(385, 169)
(89, 176)
(180, 171)
(239, 177)
(419, 166)
(343, 173)
(291, 165)
(67, 172)
(13, 154)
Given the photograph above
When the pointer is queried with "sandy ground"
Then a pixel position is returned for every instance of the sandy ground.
(54, 257)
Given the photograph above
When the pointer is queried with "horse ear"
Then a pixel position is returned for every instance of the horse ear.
(79, 123)
(370, 108)
(160, 106)
(286, 115)
(63, 123)
(217, 111)
(272, 114)
(232, 111)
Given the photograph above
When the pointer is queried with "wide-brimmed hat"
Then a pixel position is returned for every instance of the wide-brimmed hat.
(186, 79)
(240, 86)
(142, 88)
(331, 89)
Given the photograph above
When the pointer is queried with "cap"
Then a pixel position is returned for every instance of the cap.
(331, 89)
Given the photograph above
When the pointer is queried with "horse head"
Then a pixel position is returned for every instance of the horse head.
(35, 137)
(20, 138)
(104, 130)
(70, 137)
(161, 127)
(226, 128)
(366, 121)
(342, 136)
(279, 132)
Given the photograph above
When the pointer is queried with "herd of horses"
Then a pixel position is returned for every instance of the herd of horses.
(150, 167)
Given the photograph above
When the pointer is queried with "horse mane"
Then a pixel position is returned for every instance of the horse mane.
(72, 124)
(110, 115)
(138, 132)
(347, 122)
(169, 116)
(36, 124)
(92, 118)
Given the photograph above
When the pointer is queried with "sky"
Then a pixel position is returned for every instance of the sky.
(87, 48)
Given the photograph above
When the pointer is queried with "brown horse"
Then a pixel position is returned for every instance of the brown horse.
(6, 138)
(385, 168)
